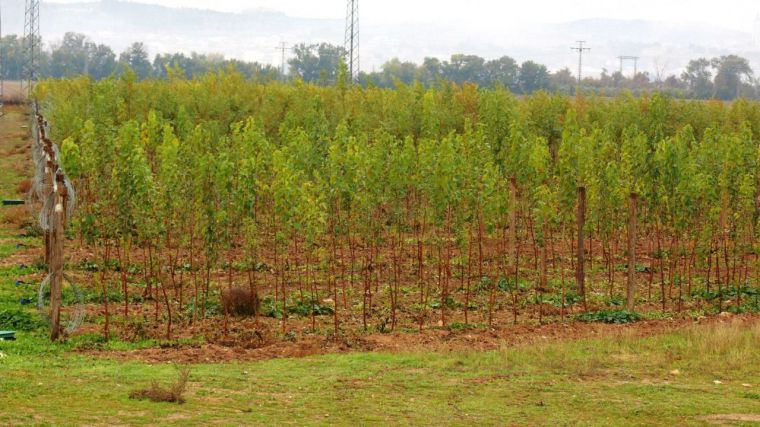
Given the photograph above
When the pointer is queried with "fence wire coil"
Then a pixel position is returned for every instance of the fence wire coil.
(77, 314)
(52, 199)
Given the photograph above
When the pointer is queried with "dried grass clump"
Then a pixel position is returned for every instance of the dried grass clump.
(17, 216)
(240, 302)
(157, 393)
(24, 186)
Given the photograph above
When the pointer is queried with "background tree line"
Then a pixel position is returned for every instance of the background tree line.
(727, 77)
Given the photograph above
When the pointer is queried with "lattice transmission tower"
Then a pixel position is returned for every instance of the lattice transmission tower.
(351, 42)
(32, 42)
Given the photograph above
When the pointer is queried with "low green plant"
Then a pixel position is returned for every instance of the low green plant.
(609, 316)
(307, 307)
(20, 320)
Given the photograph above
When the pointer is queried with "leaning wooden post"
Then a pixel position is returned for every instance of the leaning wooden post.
(56, 254)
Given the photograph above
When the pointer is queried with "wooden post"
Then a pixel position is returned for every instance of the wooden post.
(56, 256)
(631, 288)
(581, 220)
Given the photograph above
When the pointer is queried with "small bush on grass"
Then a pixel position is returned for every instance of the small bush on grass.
(610, 316)
(157, 393)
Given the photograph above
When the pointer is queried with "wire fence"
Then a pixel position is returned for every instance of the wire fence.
(52, 199)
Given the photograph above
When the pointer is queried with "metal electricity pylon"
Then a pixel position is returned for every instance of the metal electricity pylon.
(351, 42)
(635, 60)
(32, 44)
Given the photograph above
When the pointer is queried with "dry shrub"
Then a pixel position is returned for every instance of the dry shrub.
(13, 93)
(157, 393)
(24, 187)
(17, 216)
(240, 301)
(14, 99)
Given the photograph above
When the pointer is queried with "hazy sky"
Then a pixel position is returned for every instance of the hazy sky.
(735, 14)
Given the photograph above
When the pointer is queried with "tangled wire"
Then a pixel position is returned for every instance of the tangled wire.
(53, 204)
(77, 315)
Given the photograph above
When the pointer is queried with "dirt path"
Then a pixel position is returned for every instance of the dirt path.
(14, 150)
(15, 164)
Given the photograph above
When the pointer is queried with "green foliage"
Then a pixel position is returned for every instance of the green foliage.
(611, 316)
(21, 320)
(307, 307)
(270, 308)
(293, 176)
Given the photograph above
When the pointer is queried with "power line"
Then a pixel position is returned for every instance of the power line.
(351, 41)
(580, 48)
(32, 40)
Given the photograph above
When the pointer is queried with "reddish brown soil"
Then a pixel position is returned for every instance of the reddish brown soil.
(440, 340)
(246, 339)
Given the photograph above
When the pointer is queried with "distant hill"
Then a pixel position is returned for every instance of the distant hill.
(253, 35)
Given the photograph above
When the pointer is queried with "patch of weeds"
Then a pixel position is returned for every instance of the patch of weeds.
(213, 308)
(87, 265)
(270, 308)
(555, 299)
(610, 316)
(450, 303)
(459, 326)
(753, 396)
(158, 393)
(616, 301)
(88, 342)
(307, 307)
(657, 315)
(20, 320)
(726, 293)
(750, 306)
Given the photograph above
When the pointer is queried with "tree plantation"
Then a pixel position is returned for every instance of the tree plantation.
(343, 208)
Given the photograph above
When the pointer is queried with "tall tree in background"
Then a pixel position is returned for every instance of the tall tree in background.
(504, 71)
(136, 58)
(533, 77)
(731, 72)
(466, 68)
(316, 62)
(70, 57)
(698, 78)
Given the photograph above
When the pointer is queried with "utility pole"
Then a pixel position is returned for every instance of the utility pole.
(580, 48)
(32, 41)
(351, 42)
(282, 48)
(635, 60)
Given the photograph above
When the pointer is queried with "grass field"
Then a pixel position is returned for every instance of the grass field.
(693, 377)
(701, 375)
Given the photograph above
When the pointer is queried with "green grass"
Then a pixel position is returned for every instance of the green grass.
(609, 381)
